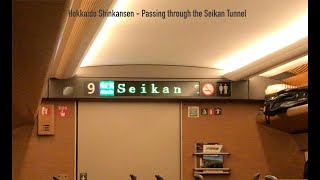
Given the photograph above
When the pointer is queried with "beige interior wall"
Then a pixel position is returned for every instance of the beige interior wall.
(41, 157)
(143, 138)
(116, 139)
(254, 148)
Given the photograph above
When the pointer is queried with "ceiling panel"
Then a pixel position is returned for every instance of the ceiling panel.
(297, 80)
(300, 69)
(77, 36)
(195, 41)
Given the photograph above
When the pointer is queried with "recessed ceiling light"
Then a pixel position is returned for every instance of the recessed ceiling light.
(104, 33)
(268, 45)
(286, 67)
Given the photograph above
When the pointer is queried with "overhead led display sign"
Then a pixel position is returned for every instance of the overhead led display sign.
(109, 88)
(127, 88)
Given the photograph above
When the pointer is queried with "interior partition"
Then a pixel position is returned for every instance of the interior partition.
(116, 139)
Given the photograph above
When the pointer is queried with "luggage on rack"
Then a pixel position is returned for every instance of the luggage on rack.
(280, 101)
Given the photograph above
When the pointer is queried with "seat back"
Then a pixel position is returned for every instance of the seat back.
(270, 177)
(60, 177)
(198, 177)
(256, 176)
(159, 177)
(133, 177)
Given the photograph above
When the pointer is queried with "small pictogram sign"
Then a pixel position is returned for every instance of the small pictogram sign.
(207, 89)
(224, 88)
(204, 111)
(63, 111)
(217, 111)
(193, 111)
(83, 176)
(211, 111)
(45, 110)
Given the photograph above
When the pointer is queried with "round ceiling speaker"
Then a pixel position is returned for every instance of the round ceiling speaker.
(67, 91)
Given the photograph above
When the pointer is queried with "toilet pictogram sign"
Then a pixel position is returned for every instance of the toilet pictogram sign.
(223, 88)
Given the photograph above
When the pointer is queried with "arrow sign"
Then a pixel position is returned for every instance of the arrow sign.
(83, 176)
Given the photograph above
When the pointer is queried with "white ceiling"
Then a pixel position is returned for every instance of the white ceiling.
(201, 42)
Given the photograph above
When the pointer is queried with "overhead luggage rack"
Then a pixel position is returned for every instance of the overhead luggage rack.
(294, 120)
(285, 108)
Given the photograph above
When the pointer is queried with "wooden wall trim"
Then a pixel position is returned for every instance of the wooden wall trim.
(298, 80)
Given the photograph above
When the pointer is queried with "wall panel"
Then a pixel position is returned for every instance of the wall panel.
(117, 139)
(41, 157)
(254, 148)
